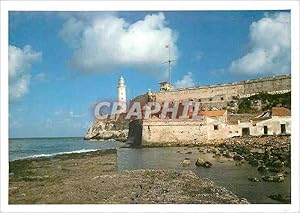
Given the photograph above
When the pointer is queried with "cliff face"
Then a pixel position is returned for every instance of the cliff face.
(105, 130)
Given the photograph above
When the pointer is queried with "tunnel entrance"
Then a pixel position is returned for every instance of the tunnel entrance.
(135, 133)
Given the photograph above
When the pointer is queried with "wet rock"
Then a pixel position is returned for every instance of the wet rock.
(273, 178)
(274, 169)
(277, 163)
(253, 179)
(238, 157)
(186, 162)
(201, 162)
(228, 154)
(262, 169)
(281, 198)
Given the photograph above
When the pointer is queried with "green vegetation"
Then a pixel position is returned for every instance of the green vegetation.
(264, 102)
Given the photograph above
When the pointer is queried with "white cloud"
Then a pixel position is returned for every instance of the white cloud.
(270, 40)
(73, 115)
(40, 76)
(106, 42)
(186, 81)
(19, 64)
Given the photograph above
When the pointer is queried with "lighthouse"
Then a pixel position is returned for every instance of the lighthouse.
(121, 91)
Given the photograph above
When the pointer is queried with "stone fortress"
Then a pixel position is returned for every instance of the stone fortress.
(219, 96)
(218, 106)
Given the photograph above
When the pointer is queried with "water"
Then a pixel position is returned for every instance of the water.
(38, 147)
(224, 172)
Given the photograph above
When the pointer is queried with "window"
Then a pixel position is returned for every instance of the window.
(265, 130)
(283, 129)
(199, 100)
(210, 99)
(222, 98)
(216, 127)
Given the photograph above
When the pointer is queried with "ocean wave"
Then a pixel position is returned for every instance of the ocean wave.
(55, 154)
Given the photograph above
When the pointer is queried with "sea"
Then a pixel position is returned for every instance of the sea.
(224, 171)
(20, 148)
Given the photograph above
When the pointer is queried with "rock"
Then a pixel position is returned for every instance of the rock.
(273, 178)
(189, 152)
(253, 162)
(186, 162)
(277, 163)
(201, 162)
(253, 179)
(262, 168)
(274, 169)
(281, 198)
(208, 164)
(228, 154)
(238, 157)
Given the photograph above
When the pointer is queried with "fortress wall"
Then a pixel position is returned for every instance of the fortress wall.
(174, 131)
(279, 83)
(227, 92)
(218, 96)
(203, 94)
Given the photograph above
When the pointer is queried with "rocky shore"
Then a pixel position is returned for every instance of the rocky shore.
(108, 130)
(93, 178)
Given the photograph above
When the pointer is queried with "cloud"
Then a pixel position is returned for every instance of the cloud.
(107, 42)
(270, 41)
(186, 81)
(73, 115)
(19, 64)
(40, 76)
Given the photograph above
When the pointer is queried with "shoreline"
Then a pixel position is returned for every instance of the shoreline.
(73, 173)
(93, 177)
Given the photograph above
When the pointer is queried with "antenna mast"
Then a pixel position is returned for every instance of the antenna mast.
(169, 62)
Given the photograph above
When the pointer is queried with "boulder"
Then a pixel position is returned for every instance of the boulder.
(273, 178)
(228, 154)
(281, 198)
(253, 179)
(262, 168)
(277, 163)
(274, 169)
(238, 157)
(253, 162)
(186, 162)
(201, 162)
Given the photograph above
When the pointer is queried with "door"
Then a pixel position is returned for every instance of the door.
(245, 131)
(283, 129)
(265, 130)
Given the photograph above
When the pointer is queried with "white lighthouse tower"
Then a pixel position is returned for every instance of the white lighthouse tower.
(121, 91)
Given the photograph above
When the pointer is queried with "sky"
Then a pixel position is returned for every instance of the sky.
(62, 63)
